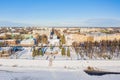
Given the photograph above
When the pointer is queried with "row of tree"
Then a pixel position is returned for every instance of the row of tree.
(105, 48)
(64, 52)
(37, 52)
(62, 39)
(42, 39)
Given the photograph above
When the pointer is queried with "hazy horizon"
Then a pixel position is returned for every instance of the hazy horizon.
(91, 13)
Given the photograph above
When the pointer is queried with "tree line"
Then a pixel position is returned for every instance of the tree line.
(106, 49)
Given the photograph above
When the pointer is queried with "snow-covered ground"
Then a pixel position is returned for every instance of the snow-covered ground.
(63, 68)
(23, 69)
(53, 75)
(27, 54)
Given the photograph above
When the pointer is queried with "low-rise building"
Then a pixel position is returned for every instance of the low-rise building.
(11, 41)
(5, 51)
(28, 42)
(77, 38)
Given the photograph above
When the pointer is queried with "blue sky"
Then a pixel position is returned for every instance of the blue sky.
(60, 12)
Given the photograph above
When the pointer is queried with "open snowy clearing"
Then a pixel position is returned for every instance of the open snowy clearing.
(53, 75)
(20, 69)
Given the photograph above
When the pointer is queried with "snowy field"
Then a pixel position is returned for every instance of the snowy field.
(23, 69)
